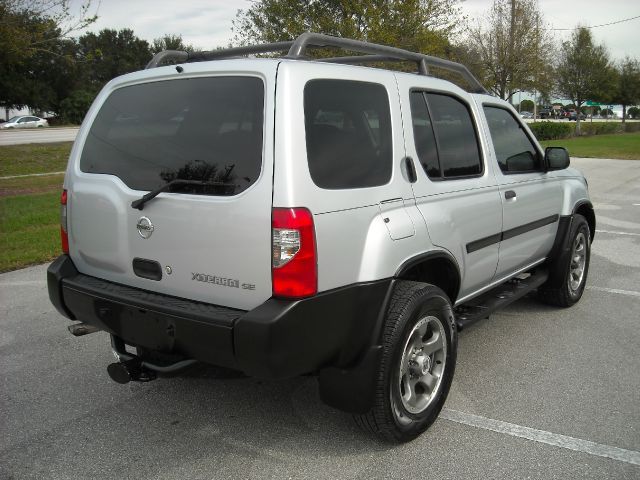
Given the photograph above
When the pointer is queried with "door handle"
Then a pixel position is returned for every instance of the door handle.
(509, 194)
(411, 169)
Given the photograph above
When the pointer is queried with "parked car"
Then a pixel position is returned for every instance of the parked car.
(545, 113)
(526, 115)
(24, 121)
(573, 115)
(320, 219)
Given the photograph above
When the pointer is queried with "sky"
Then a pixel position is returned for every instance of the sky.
(207, 23)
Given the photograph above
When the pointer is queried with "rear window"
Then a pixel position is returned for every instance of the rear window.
(348, 133)
(206, 129)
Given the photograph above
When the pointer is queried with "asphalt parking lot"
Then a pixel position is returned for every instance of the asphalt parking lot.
(539, 392)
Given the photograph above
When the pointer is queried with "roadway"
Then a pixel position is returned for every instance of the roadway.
(539, 392)
(38, 135)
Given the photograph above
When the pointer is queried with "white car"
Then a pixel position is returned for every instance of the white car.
(24, 121)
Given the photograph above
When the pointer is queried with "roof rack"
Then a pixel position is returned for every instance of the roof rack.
(296, 49)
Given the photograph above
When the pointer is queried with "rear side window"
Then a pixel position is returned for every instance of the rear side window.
(445, 138)
(457, 140)
(514, 150)
(348, 133)
(206, 129)
(424, 136)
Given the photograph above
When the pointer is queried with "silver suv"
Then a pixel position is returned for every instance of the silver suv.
(288, 216)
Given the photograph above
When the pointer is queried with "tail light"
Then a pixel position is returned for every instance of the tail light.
(294, 268)
(64, 237)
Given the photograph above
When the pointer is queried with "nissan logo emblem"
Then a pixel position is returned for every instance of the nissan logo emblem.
(145, 227)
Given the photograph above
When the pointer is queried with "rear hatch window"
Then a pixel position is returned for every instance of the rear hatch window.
(205, 129)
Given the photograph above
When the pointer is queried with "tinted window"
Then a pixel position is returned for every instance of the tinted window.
(207, 129)
(348, 133)
(457, 141)
(423, 135)
(514, 150)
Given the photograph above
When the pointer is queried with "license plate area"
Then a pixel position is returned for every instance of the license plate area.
(137, 326)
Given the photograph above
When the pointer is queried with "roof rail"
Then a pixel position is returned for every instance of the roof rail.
(297, 49)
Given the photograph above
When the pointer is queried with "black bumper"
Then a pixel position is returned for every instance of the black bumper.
(330, 332)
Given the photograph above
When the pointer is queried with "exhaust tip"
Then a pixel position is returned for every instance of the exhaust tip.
(119, 373)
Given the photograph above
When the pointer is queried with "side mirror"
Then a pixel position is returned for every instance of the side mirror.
(556, 158)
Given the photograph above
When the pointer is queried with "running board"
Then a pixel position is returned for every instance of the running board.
(499, 297)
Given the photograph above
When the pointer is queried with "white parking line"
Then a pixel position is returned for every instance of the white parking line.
(618, 233)
(555, 439)
(34, 175)
(615, 290)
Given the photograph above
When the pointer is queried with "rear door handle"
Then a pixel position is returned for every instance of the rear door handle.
(411, 169)
(509, 194)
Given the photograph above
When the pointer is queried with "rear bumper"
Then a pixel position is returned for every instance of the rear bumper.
(278, 339)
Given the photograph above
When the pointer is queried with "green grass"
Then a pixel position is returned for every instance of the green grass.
(624, 146)
(31, 185)
(34, 158)
(29, 230)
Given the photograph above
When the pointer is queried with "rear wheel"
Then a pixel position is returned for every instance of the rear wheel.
(419, 354)
(568, 273)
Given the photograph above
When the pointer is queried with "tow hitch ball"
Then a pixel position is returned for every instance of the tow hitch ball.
(128, 370)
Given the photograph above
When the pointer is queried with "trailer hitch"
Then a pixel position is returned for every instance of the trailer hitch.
(124, 372)
(130, 367)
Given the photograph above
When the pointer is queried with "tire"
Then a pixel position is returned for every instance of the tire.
(415, 374)
(568, 273)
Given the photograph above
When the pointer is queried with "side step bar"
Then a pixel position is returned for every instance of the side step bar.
(481, 307)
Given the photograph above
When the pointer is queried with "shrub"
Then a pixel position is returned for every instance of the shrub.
(74, 107)
(631, 127)
(600, 128)
(552, 130)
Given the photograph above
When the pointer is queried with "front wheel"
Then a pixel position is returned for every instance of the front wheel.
(568, 273)
(418, 361)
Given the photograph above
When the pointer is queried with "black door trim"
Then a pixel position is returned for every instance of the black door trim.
(512, 232)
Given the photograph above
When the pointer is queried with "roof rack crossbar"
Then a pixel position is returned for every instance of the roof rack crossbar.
(297, 48)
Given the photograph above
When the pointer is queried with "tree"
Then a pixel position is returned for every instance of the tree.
(75, 106)
(511, 50)
(584, 71)
(634, 112)
(627, 88)
(169, 42)
(526, 106)
(36, 57)
(110, 53)
(20, 38)
(419, 25)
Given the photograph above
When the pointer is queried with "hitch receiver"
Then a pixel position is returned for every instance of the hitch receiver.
(128, 370)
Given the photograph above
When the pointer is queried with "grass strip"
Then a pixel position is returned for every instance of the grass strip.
(34, 158)
(623, 146)
(31, 185)
(29, 230)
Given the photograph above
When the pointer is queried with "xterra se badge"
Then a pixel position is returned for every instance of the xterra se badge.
(225, 282)
(145, 227)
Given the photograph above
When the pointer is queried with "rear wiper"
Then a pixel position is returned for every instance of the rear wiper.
(139, 204)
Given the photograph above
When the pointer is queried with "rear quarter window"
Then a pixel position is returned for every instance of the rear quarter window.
(206, 129)
(348, 133)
